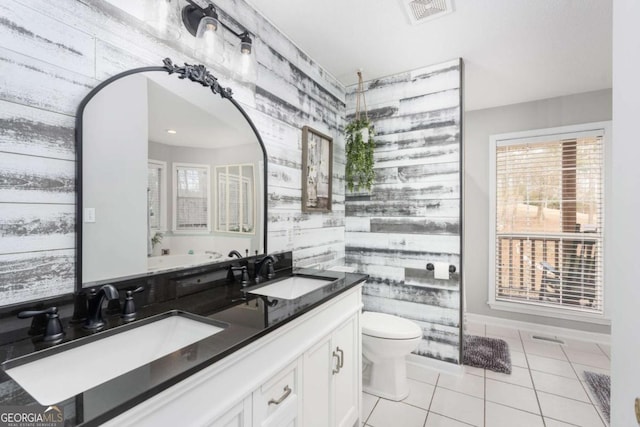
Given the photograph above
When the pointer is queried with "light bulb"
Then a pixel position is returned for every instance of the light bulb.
(207, 39)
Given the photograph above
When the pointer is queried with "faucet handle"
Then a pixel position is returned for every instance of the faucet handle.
(129, 308)
(244, 275)
(53, 331)
(271, 272)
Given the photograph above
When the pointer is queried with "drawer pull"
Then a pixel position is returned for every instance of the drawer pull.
(341, 357)
(287, 392)
(337, 368)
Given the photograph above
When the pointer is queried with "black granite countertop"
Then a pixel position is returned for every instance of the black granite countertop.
(244, 316)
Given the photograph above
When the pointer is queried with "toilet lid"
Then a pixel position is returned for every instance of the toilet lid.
(382, 325)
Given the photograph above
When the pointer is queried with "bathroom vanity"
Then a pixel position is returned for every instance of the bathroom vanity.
(267, 361)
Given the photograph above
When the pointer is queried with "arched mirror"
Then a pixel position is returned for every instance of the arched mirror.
(172, 174)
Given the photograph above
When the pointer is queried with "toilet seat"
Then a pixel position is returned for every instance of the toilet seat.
(386, 326)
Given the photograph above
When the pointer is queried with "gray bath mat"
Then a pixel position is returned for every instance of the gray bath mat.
(488, 353)
(600, 385)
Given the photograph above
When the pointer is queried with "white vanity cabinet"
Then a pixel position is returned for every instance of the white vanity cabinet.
(238, 416)
(277, 402)
(331, 378)
(305, 373)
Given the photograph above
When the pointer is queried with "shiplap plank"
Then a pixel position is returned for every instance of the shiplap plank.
(418, 121)
(413, 177)
(320, 256)
(30, 32)
(434, 208)
(413, 242)
(429, 155)
(28, 81)
(443, 298)
(286, 177)
(361, 224)
(417, 173)
(36, 275)
(415, 225)
(423, 138)
(26, 228)
(35, 132)
(284, 220)
(28, 179)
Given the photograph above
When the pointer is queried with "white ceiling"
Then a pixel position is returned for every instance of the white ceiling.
(513, 50)
(200, 118)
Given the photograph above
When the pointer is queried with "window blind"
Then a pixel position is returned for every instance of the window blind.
(192, 198)
(549, 222)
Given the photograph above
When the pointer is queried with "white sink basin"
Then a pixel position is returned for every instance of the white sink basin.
(292, 287)
(60, 376)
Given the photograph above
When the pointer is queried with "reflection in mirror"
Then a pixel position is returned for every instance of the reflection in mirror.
(236, 201)
(172, 177)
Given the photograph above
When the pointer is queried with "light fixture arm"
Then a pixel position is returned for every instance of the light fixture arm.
(193, 13)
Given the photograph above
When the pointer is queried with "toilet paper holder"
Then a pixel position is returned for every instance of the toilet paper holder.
(452, 268)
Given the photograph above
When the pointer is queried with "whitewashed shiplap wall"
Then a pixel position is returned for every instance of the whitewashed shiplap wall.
(412, 215)
(52, 53)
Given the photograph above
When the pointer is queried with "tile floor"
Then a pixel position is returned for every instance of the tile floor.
(546, 388)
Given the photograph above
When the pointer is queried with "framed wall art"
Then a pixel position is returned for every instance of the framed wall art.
(317, 170)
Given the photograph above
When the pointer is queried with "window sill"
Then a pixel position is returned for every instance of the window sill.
(536, 310)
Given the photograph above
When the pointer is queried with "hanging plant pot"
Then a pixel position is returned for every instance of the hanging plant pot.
(359, 134)
(359, 172)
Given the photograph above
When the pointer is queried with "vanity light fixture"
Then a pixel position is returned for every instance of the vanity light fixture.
(203, 23)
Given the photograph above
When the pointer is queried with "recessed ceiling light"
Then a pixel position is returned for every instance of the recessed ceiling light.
(172, 131)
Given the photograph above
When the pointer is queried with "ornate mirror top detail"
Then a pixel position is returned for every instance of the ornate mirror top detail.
(198, 74)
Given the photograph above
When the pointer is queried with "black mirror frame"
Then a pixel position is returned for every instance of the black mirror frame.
(195, 73)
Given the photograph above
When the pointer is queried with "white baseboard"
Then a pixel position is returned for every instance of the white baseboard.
(421, 363)
(540, 329)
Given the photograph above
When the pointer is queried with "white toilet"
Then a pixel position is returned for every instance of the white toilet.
(386, 340)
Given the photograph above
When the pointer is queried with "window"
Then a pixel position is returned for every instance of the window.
(191, 201)
(547, 207)
(157, 195)
(235, 199)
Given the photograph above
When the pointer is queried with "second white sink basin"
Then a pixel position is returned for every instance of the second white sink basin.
(293, 287)
(60, 376)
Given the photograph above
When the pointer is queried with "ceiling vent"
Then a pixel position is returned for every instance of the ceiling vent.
(420, 11)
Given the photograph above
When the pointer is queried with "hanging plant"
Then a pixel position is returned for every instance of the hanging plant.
(359, 134)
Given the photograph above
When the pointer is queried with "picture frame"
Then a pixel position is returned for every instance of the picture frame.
(317, 171)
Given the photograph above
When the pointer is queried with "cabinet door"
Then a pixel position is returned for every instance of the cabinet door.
(238, 416)
(317, 380)
(345, 386)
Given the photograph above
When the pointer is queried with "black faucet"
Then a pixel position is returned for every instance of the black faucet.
(234, 253)
(268, 260)
(94, 320)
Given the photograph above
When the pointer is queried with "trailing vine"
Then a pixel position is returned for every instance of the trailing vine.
(359, 172)
(359, 134)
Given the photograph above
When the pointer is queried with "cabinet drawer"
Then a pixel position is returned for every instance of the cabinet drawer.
(275, 395)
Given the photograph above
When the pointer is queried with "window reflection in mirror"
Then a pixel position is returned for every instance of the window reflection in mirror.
(152, 146)
(236, 199)
(191, 197)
